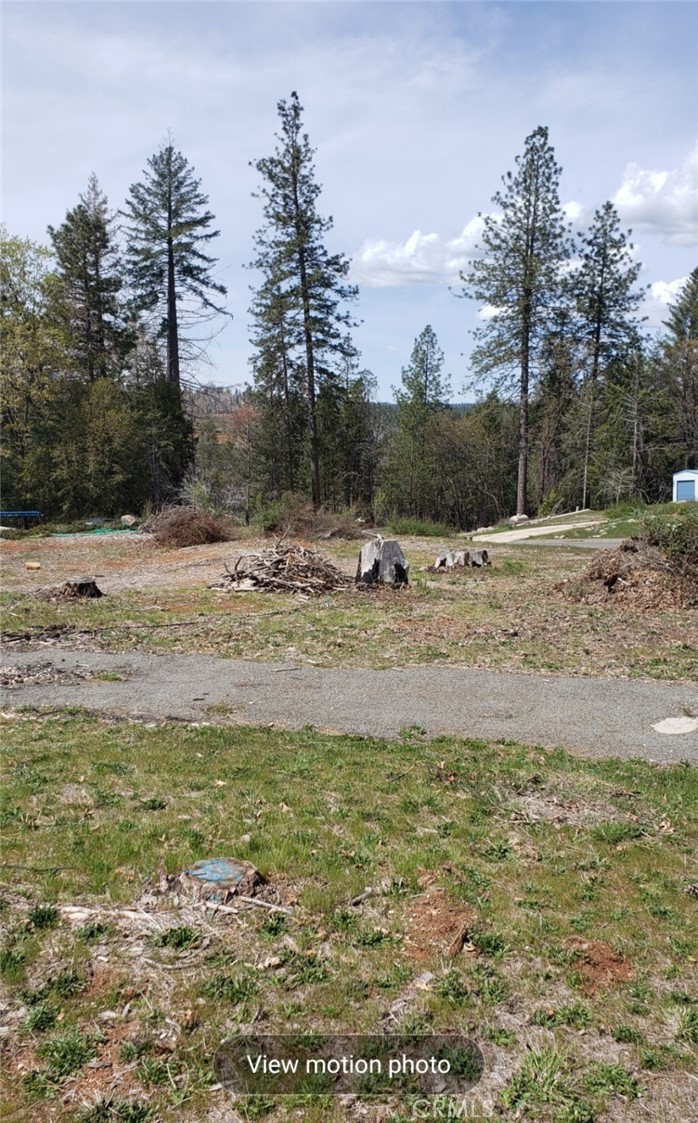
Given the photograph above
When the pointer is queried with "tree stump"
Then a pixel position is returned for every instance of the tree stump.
(460, 559)
(81, 587)
(382, 562)
(452, 559)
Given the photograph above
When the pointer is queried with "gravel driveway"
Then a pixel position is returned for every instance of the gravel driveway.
(595, 717)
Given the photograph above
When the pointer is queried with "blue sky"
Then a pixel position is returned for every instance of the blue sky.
(415, 109)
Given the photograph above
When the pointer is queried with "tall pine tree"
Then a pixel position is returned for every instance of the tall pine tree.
(679, 368)
(606, 302)
(306, 279)
(518, 277)
(167, 227)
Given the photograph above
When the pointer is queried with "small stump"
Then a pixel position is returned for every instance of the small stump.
(219, 879)
(80, 587)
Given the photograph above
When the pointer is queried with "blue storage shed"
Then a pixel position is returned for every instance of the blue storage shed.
(686, 485)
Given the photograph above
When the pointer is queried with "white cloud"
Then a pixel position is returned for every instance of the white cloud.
(657, 299)
(421, 259)
(573, 211)
(663, 200)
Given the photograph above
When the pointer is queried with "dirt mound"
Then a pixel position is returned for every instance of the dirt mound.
(633, 573)
(188, 526)
(599, 965)
(437, 926)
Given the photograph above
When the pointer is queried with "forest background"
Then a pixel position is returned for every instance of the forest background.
(105, 331)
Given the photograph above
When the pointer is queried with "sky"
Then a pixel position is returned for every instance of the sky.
(415, 110)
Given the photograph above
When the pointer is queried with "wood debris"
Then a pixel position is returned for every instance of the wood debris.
(284, 568)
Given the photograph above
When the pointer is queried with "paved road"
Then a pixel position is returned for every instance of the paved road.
(575, 543)
(596, 717)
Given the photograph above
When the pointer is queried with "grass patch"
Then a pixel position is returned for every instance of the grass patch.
(547, 906)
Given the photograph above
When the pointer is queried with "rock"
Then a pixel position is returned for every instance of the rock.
(516, 520)
(32, 565)
(479, 558)
(128, 520)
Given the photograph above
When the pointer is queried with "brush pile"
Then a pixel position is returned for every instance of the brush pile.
(633, 574)
(283, 568)
(179, 527)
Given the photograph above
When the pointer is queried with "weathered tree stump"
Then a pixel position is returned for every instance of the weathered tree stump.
(382, 562)
(479, 557)
(452, 559)
(460, 559)
(81, 587)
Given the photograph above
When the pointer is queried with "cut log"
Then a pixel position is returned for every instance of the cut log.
(479, 557)
(80, 587)
(382, 562)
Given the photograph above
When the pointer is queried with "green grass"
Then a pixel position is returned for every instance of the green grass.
(323, 817)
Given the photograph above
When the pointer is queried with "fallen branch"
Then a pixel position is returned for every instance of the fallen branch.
(215, 907)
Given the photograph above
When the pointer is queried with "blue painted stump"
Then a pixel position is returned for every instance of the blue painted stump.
(219, 879)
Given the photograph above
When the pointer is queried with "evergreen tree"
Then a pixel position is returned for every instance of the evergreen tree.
(85, 305)
(278, 388)
(171, 275)
(606, 302)
(519, 277)
(31, 353)
(306, 280)
(679, 372)
(423, 395)
(683, 315)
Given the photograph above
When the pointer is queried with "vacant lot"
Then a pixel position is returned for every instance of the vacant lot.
(542, 904)
(509, 617)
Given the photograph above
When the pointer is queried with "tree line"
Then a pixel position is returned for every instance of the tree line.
(103, 333)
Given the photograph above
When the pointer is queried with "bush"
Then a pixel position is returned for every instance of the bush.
(420, 528)
(673, 528)
(295, 517)
(176, 527)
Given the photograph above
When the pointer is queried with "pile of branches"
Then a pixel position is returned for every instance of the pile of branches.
(633, 573)
(284, 568)
(178, 527)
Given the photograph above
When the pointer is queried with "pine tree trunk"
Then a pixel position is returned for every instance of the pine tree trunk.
(172, 334)
(310, 387)
(523, 428)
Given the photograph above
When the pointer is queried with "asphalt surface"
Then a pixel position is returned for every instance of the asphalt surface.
(573, 543)
(594, 717)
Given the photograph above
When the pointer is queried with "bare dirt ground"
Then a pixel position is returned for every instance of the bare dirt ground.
(123, 561)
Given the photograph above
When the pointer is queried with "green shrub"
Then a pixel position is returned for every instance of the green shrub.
(673, 528)
(420, 528)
